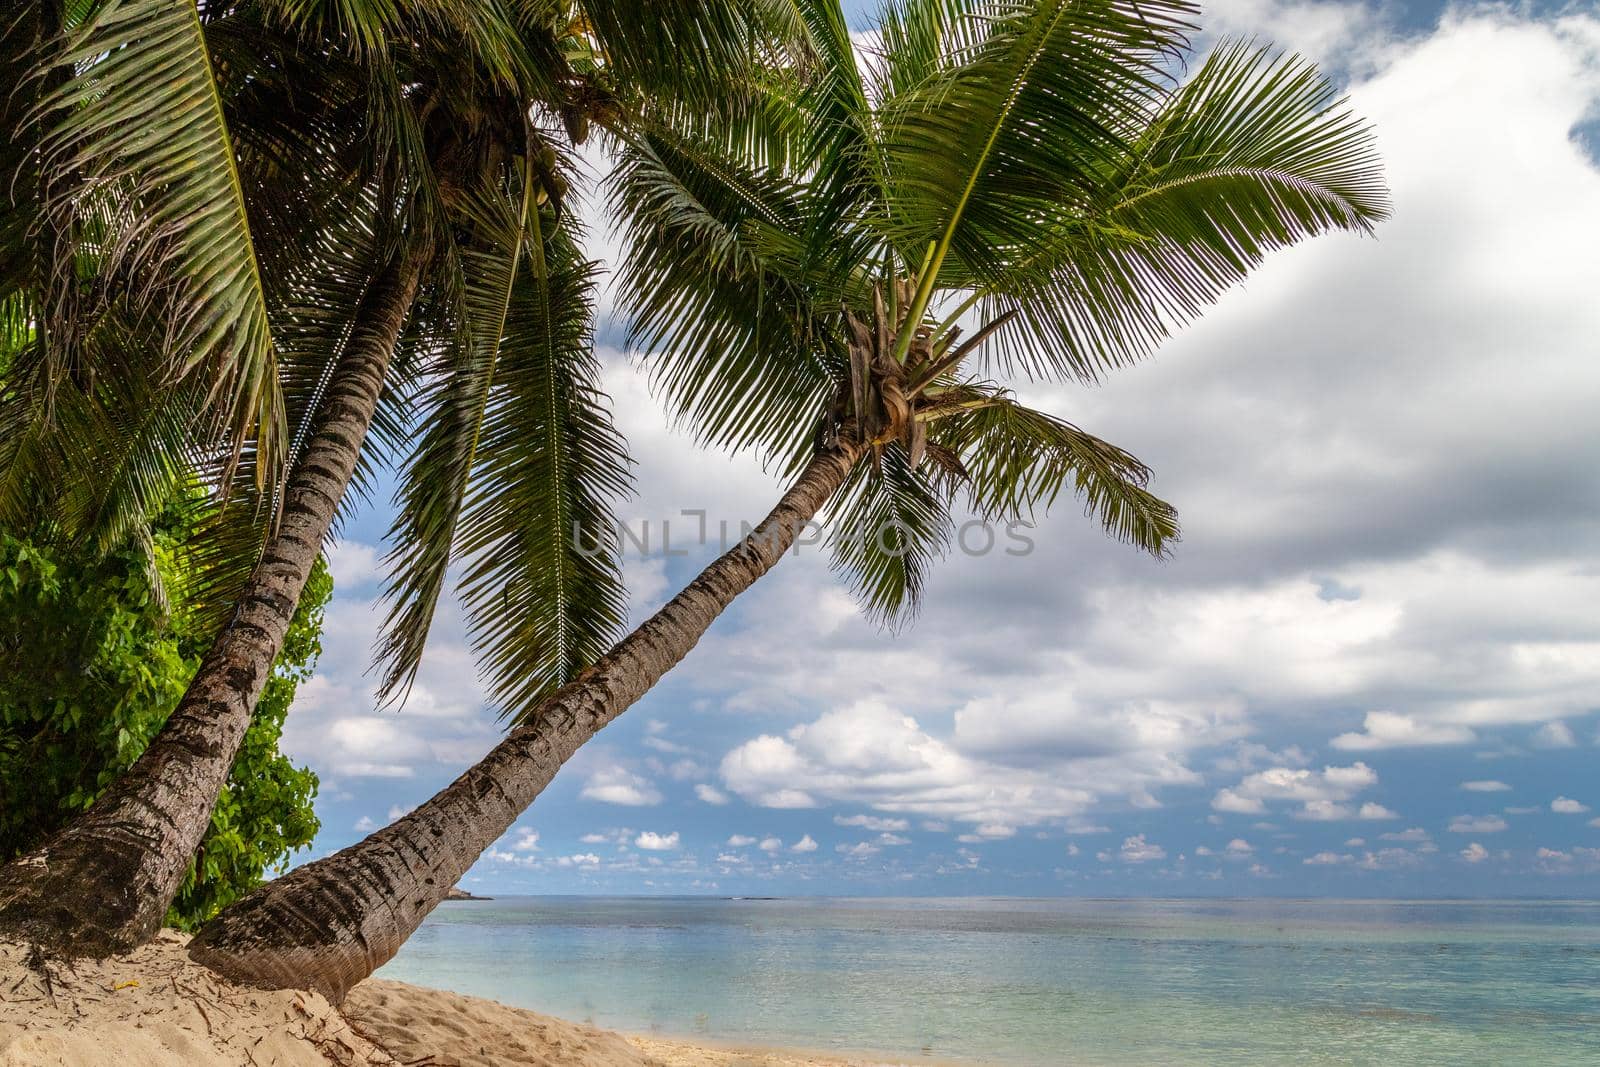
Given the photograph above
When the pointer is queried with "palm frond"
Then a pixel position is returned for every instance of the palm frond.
(1031, 101)
(736, 347)
(541, 584)
(1254, 153)
(694, 50)
(138, 128)
(452, 411)
(889, 526)
(1018, 461)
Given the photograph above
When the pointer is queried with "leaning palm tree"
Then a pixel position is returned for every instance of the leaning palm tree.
(244, 236)
(1033, 167)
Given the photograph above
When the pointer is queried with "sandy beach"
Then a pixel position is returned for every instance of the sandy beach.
(157, 1008)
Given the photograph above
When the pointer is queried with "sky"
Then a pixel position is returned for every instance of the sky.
(1371, 668)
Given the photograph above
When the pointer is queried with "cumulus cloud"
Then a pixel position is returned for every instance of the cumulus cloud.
(583, 860)
(1486, 785)
(651, 841)
(710, 794)
(805, 844)
(616, 784)
(1568, 806)
(1415, 833)
(869, 753)
(1477, 824)
(1322, 795)
(1555, 735)
(1136, 849)
(871, 822)
(1474, 853)
(1387, 729)
(1328, 859)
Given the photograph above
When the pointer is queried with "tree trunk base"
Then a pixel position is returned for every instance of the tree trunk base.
(281, 938)
(82, 893)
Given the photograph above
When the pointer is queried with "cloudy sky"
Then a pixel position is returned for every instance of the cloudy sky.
(1371, 668)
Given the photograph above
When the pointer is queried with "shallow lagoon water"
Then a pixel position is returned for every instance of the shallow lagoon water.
(1048, 982)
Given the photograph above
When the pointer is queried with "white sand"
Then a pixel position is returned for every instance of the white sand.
(157, 1008)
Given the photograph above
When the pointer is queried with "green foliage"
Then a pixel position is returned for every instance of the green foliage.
(91, 664)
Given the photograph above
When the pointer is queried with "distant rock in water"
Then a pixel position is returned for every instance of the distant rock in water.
(457, 893)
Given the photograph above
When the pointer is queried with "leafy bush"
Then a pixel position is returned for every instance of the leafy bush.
(95, 653)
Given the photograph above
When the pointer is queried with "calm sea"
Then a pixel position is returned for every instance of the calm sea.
(1048, 982)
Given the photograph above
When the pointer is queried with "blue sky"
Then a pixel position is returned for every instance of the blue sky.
(1372, 667)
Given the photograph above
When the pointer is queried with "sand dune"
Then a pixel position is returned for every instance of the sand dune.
(157, 1008)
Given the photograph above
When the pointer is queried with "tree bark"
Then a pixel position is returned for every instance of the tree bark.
(331, 923)
(103, 883)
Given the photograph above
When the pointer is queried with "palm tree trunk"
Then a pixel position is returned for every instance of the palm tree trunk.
(103, 883)
(331, 923)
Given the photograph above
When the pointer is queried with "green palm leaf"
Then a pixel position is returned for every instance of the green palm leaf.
(138, 131)
(1256, 152)
(1025, 110)
(453, 411)
(542, 584)
(1018, 460)
(890, 525)
(738, 348)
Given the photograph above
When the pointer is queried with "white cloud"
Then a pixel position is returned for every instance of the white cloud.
(871, 822)
(770, 844)
(710, 794)
(1322, 795)
(1477, 824)
(651, 841)
(1568, 806)
(1415, 833)
(1387, 729)
(741, 841)
(1555, 735)
(1486, 785)
(353, 564)
(527, 841)
(616, 784)
(365, 825)
(1239, 847)
(869, 753)
(805, 844)
(1474, 853)
(858, 851)
(579, 860)
(1328, 859)
(1136, 849)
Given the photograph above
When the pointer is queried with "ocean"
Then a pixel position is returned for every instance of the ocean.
(1047, 983)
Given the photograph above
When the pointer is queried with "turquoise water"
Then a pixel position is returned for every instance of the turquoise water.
(1048, 982)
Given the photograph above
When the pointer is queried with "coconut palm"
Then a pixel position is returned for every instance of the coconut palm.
(243, 237)
(1037, 168)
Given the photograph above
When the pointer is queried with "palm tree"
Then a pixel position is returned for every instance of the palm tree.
(247, 235)
(1036, 165)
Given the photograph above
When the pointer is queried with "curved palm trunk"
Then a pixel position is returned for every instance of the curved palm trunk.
(331, 923)
(103, 883)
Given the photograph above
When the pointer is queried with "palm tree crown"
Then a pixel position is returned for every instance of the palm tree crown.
(1050, 170)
